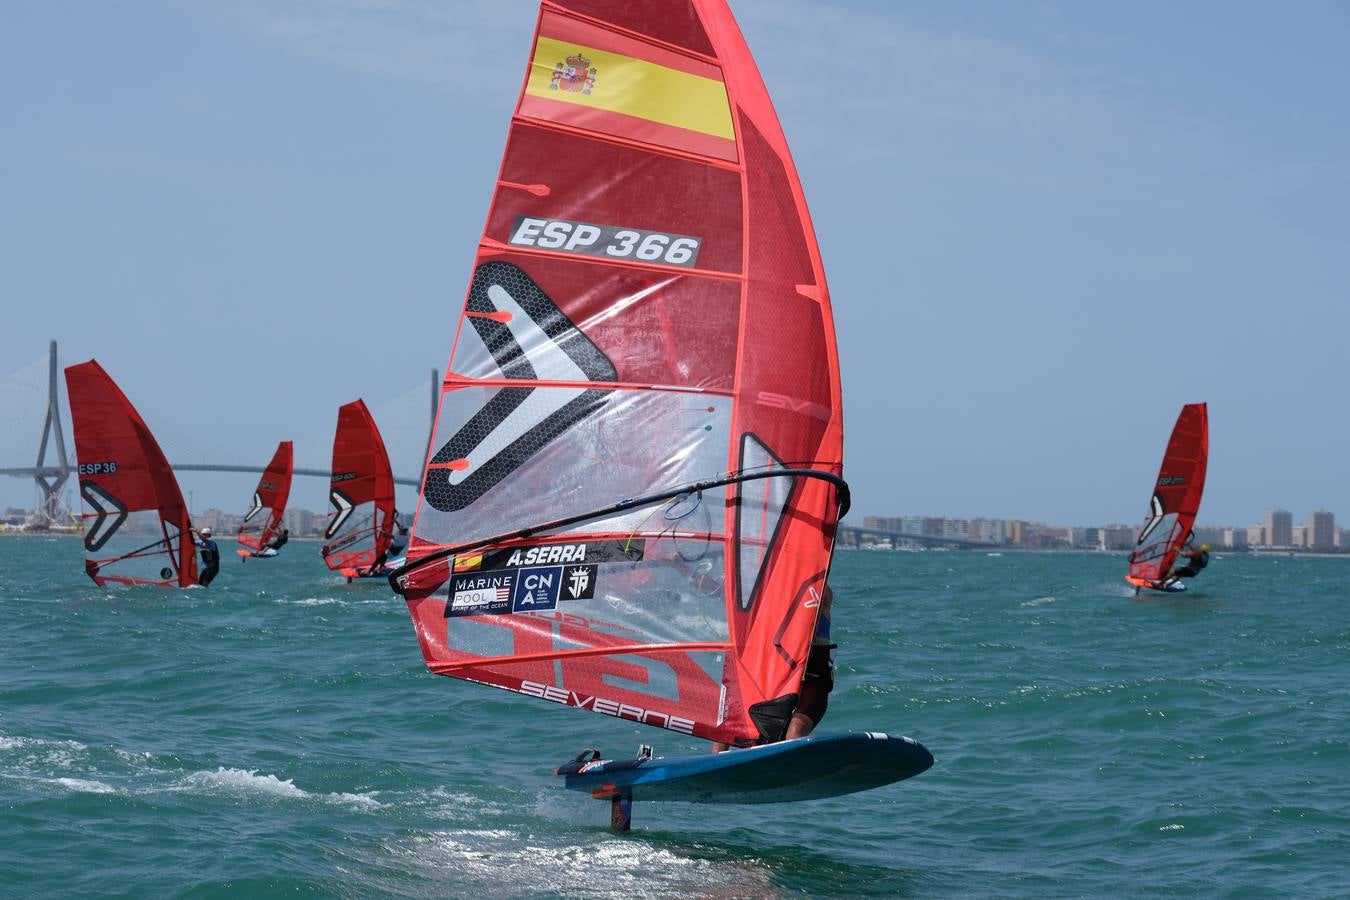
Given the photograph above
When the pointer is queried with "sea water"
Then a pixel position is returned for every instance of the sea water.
(278, 735)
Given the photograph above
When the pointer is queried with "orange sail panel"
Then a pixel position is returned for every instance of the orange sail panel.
(263, 518)
(647, 312)
(360, 492)
(135, 521)
(1176, 498)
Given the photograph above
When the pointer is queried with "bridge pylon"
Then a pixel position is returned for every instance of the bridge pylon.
(50, 479)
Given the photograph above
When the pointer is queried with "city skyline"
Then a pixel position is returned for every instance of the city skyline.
(1278, 531)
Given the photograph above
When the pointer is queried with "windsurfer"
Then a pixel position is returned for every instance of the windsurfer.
(398, 541)
(1195, 561)
(210, 555)
(280, 538)
(818, 680)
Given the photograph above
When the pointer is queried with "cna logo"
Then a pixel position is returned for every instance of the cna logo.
(530, 339)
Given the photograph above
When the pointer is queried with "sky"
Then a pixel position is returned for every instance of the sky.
(1045, 225)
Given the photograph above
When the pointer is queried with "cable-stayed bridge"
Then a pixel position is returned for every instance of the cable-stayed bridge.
(31, 400)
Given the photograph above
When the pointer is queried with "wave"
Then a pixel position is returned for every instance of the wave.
(248, 783)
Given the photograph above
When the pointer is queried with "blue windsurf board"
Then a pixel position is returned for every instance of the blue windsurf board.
(802, 769)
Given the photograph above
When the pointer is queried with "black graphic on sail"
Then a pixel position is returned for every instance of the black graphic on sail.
(532, 341)
(109, 514)
(342, 509)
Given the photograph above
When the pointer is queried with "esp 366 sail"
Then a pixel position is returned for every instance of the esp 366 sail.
(264, 515)
(135, 521)
(360, 492)
(1176, 498)
(632, 493)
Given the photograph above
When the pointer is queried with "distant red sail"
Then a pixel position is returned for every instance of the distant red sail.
(1176, 498)
(136, 525)
(648, 310)
(264, 515)
(361, 493)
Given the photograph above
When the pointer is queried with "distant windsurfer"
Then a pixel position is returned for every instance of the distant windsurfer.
(1195, 561)
(210, 555)
(279, 539)
(398, 542)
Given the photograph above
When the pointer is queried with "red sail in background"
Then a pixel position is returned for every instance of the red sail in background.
(361, 493)
(1176, 498)
(263, 518)
(648, 310)
(135, 521)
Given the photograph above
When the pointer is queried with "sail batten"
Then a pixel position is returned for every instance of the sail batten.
(647, 318)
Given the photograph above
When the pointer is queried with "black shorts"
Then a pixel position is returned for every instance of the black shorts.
(817, 683)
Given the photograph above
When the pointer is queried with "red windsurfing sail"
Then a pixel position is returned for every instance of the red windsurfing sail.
(361, 492)
(631, 497)
(1176, 498)
(135, 521)
(263, 518)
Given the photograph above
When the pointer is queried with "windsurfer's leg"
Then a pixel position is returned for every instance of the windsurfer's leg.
(719, 747)
(204, 579)
(800, 726)
(815, 693)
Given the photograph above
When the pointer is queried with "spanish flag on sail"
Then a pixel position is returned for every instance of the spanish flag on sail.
(601, 81)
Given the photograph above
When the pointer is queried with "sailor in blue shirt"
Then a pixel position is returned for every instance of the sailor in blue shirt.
(210, 555)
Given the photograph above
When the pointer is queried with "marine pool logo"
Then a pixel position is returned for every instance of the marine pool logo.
(480, 595)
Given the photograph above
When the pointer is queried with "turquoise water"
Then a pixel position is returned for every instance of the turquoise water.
(278, 735)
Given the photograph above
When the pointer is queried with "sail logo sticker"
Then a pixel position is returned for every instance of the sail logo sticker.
(1169, 480)
(532, 341)
(255, 508)
(537, 589)
(579, 581)
(98, 468)
(109, 514)
(479, 595)
(342, 510)
(606, 706)
(576, 75)
(1156, 513)
(555, 553)
(606, 241)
